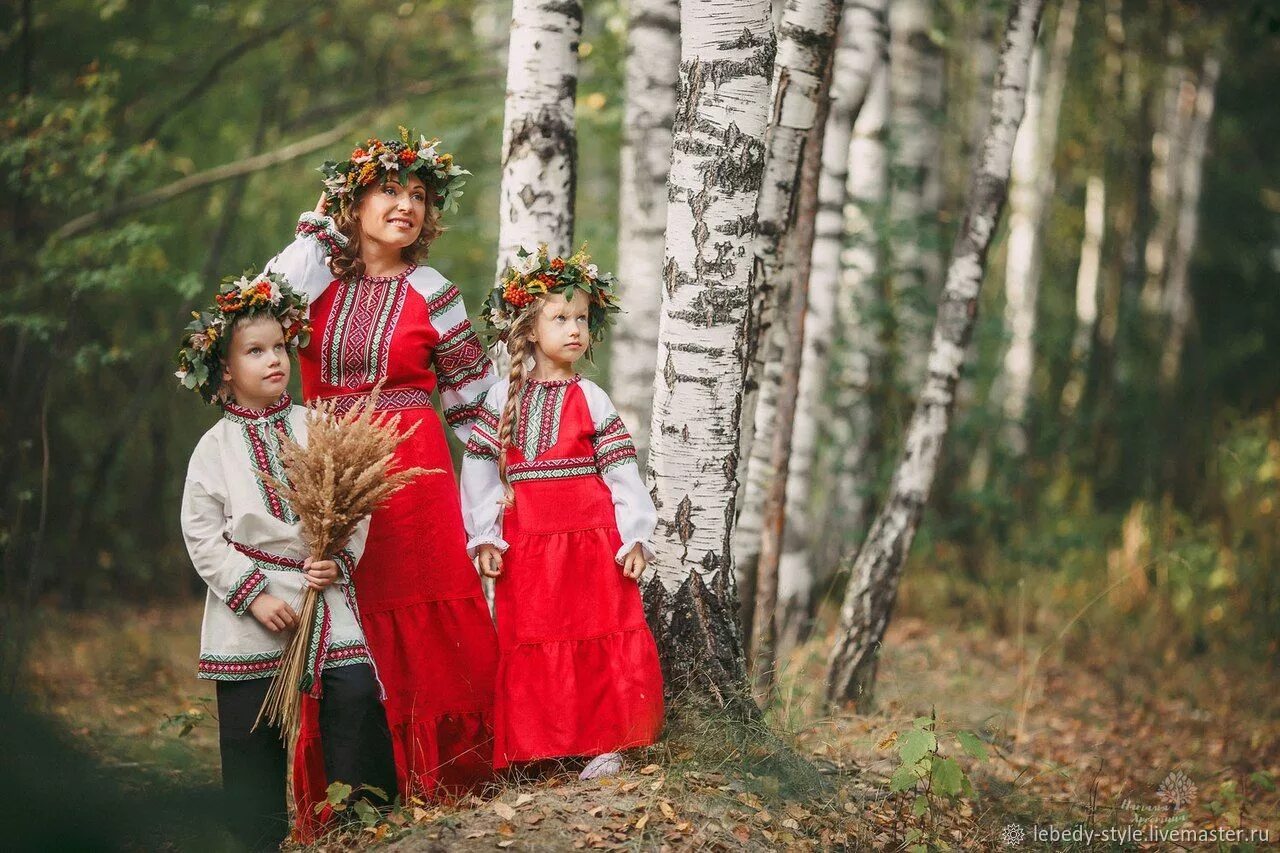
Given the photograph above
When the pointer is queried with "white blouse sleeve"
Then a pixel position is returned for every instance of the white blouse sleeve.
(459, 359)
(230, 575)
(615, 454)
(305, 261)
(482, 491)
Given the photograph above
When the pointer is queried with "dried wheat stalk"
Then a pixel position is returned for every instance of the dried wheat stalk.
(341, 476)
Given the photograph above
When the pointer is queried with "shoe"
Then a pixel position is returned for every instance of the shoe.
(609, 764)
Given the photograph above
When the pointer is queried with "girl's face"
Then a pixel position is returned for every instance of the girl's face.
(256, 369)
(393, 213)
(560, 331)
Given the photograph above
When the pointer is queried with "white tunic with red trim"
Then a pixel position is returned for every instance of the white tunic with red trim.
(244, 540)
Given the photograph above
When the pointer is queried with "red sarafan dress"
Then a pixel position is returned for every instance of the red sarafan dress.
(578, 671)
(420, 602)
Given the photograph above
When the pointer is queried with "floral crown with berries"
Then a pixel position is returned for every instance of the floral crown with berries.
(538, 273)
(204, 341)
(378, 159)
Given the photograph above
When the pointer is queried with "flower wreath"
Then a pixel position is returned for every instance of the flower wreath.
(536, 274)
(378, 158)
(204, 342)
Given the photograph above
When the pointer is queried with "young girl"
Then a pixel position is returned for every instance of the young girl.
(556, 512)
(246, 544)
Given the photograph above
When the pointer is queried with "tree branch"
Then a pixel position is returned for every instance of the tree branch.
(222, 63)
(250, 165)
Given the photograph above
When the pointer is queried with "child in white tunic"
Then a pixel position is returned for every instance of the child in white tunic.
(246, 544)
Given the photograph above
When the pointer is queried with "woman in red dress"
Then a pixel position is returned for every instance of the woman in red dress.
(378, 315)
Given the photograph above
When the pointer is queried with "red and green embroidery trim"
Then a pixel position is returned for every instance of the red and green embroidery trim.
(459, 357)
(323, 230)
(267, 560)
(389, 400)
(357, 338)
(263, 438)
(552, 469)
(463, 413)
(238, 667)
(541, 405)
(317, 650)
(613, 444)
(483, 442)
(265, 664)
(346, 563)
(445, 299)
(246, 590)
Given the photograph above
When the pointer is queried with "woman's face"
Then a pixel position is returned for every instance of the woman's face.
(393, 213)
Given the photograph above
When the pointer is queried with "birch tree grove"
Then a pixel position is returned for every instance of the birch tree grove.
(877, 571)
(727, 55)
(653, 68)
(539, 140)
(800, 85)
(860, 51)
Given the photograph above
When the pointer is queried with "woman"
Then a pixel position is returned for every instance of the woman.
(378, 315)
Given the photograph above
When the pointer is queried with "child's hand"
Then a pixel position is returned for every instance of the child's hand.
(319, 573)
(274, 614)
(320, 206)
(634, 563)
(490, 560)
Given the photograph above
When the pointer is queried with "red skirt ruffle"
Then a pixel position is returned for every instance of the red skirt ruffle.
(578, 673)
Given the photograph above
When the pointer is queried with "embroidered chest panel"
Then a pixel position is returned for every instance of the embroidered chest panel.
(357, 336)
(541, 407)
(262, 437)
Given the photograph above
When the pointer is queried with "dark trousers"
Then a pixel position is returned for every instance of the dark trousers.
(353, 735)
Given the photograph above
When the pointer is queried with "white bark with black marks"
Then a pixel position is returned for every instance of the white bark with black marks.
(848, 422)
(539, 140)
(653, 70)
(877, 571)
(800, 84)
(727, 54)
(860, 51)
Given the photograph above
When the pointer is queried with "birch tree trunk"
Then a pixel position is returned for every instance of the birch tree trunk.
(1177, 103)
(1087, 279)
(877, 571)
(849, 423)
(653, 69)
(1032, 185)
(717, 160)
(860, 50)
(539, 142)
(800, 85)
(915, 191)
(1178, 292)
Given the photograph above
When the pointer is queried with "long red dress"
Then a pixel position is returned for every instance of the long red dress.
(578, 671)
(420, 602)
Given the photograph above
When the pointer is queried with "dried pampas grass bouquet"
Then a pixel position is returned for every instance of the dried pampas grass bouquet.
(343, 474)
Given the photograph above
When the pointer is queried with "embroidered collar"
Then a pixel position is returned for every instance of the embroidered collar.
(554, 383)
(387, 279)
(240, 414)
